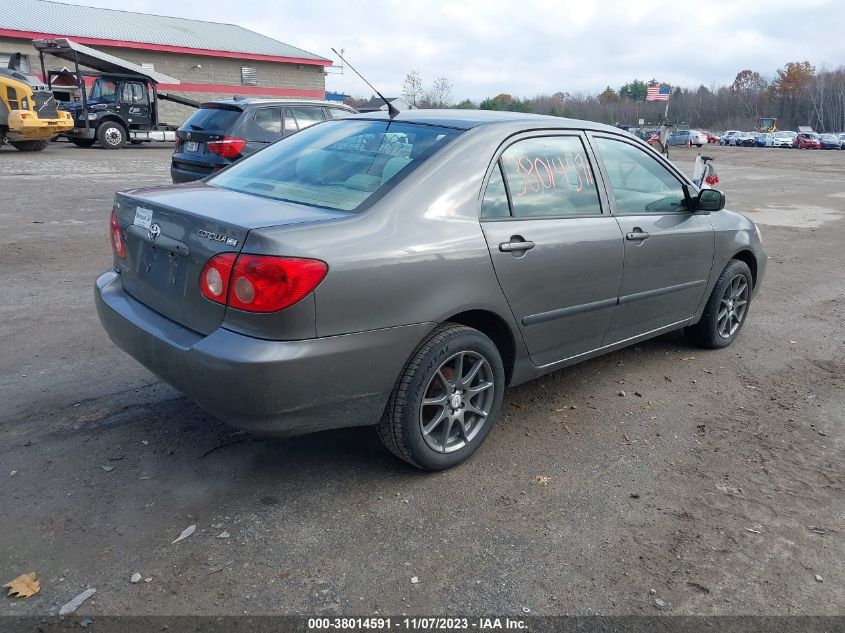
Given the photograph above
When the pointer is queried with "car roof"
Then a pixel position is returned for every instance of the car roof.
(467, 119)
(250, 101)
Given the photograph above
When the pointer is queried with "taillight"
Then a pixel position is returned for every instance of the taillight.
(214, 278)
(117, 244)
(229, 147)
(176, 145)
(257, 283)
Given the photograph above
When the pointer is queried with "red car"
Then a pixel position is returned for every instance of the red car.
(807, 140)
(712, 138)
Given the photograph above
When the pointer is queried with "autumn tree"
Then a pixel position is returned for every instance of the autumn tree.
(791, 85)
(608, 95)
(793, 79)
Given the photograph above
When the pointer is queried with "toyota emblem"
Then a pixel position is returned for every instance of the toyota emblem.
(154, 232)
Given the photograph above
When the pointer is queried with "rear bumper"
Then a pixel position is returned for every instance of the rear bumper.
(179, 175)
(188, 172)
(269, 387)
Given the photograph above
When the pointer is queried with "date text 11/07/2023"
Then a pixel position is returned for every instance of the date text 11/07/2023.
(415, 624)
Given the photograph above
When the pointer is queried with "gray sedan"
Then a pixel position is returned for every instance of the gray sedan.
(404, 271)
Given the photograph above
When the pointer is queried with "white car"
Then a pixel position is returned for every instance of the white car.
(783, 138)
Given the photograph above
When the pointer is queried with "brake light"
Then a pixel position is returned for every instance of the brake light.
(117, 244)
(214, 278)
(258, 283)
(176, 145)
(229, 147)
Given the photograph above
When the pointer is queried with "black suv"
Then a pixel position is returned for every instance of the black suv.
(223, 131)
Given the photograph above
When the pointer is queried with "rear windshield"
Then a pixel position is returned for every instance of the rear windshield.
(344, 165)
(216, 119)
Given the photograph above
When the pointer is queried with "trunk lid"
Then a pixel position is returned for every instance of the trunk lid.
(171, 232)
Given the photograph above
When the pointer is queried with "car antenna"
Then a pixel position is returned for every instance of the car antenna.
(391, 109)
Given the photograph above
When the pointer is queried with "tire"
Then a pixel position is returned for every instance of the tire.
(111, 135)
(29, 146)
(432, 374)
(82, 142)
(735, 284)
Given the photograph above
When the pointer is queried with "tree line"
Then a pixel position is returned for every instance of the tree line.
(798, 94)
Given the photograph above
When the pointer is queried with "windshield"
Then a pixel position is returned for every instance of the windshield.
(103, 90)
(343, 165)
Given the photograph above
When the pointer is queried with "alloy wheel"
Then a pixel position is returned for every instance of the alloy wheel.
(457, 402)
(732, 307)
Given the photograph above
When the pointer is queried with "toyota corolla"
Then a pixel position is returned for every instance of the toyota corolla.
(404, 271)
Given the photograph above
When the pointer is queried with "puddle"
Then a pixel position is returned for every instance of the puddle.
(796, 217)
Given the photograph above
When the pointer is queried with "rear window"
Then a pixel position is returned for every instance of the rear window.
(216, 119)
(343, 165)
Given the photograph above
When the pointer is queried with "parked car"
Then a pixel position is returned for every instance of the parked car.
(841, 140)
(403, 271)
(807, 140)
(224, 131)
(783, 138)
(687, 137)
(743, 139)
(711, 138)
(762, 137)
(830, 141)
(725, 139)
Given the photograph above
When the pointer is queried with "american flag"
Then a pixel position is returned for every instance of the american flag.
(658, 93)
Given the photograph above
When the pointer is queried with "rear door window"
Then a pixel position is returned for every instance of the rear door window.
(550, 176)
(337, 113)
(307, 116)
(495, 202)
(290, 122)
(269, 119)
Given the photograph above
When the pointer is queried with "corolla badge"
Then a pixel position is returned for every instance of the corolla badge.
(153, 232)
(218, 237)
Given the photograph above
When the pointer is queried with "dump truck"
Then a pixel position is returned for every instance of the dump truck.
(29, 116)
(123, 102)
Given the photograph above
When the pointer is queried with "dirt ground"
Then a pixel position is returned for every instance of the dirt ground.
(716, 482)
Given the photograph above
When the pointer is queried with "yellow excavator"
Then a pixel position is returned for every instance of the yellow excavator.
(29, 114)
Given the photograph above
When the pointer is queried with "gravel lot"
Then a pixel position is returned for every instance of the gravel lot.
(717, 481)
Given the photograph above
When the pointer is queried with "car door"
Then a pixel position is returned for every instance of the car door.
(557, 253)
(134, 104)
(266, 128)
(668, 249)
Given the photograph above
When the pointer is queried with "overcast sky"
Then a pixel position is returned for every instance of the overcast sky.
(539, 46)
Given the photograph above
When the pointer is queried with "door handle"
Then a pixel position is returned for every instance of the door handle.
(637, 234)
(516, 246)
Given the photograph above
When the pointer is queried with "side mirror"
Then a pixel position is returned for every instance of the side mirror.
(709, 200)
